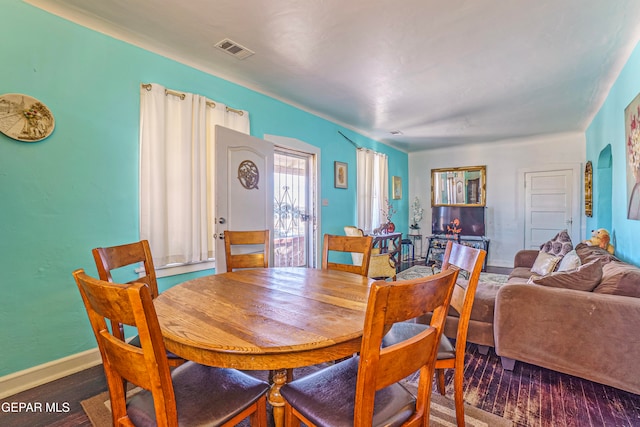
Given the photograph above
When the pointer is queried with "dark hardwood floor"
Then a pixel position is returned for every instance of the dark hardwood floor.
(63, 396)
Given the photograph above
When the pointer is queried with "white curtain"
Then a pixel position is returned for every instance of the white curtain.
(372, 189)
(177, 160)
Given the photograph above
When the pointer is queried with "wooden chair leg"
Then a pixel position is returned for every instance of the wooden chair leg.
(440, 377)
(458, 388)
(259, 417)
(290, 420)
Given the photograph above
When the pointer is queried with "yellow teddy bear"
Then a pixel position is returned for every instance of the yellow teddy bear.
(601, 238)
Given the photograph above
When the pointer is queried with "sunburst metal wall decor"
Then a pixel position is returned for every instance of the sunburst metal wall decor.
(248, 175)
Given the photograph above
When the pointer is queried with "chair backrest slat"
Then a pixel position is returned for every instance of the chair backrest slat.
(112, 258)
(354, 244)
(245, 238)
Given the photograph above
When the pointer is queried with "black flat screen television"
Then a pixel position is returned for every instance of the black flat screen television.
(470, 220)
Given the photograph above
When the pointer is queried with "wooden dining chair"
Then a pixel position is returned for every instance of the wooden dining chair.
(380, 265)
(451, 356)
(112, 258)
(353, 244)
(246, 260)
(191, 394)
(344, 394)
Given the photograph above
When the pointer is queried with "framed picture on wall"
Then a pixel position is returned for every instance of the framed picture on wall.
(632, 143)
(588, 189)
(340, 175)
(397, 187)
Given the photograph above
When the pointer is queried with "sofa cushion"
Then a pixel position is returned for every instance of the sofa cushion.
(587, 253)
(570, 261)
(520, 272)
(519, 280)
(483, 302)
(619, 278)
(545, 263)
(584, 278)
(560, 245)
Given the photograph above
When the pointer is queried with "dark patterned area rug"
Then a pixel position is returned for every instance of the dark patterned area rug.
(421, 271)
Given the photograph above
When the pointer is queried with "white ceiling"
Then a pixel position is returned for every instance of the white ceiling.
(442, 72)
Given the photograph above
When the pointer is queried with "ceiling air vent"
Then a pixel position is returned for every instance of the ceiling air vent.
(234, 49)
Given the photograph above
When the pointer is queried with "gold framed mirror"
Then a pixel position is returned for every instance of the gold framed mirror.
(465, 186)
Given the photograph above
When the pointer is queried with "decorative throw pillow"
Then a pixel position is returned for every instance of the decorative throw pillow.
(560, 245)
(532, 279)
(570, 261)
(545, 263)
(584, 278)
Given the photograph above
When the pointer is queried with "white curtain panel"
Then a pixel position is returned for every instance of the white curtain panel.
(177, 160)
(372, 189)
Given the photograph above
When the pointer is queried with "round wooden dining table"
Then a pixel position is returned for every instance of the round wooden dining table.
(265, 319)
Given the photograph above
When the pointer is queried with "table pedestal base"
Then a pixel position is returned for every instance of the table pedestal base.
(275, 398)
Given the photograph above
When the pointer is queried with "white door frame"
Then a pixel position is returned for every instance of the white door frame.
(577, 199)
(296, 144)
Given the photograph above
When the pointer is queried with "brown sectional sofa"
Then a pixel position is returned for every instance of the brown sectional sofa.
(590, 334)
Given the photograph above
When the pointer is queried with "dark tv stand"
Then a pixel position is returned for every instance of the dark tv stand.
(437, 243)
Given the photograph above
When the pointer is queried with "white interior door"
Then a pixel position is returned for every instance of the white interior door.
(243, 187)
(549, 206)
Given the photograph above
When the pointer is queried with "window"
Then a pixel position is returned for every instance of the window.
(372, 189)
(177, 160)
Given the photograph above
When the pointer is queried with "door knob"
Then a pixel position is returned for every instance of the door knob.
(222, 221)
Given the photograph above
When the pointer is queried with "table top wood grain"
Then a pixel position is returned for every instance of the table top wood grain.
(260, 319)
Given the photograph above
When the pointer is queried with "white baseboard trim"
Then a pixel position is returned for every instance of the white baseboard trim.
(47, 372)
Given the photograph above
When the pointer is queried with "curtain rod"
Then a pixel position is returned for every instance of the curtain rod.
(345, 137)
(359, 147)
(181, 95)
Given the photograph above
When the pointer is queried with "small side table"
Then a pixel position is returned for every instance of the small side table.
(417, 245)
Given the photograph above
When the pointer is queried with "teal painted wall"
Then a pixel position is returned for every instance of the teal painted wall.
(606, 128)
(78, 189)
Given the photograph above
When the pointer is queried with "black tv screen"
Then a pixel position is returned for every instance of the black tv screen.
(462, 220)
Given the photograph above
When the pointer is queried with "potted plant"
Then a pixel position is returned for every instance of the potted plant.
(416, 216)
(387, 213)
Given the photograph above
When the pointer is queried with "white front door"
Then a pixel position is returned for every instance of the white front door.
(243, 186)
(549, 206)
